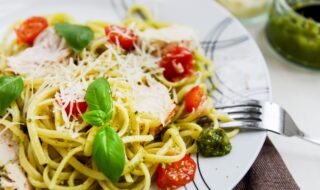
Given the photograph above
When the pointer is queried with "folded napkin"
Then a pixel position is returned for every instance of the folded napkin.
(268, 172)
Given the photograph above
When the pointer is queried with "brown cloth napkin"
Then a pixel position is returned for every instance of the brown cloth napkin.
(268, 172)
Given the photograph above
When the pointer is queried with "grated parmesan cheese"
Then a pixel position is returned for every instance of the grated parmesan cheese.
(49, 59)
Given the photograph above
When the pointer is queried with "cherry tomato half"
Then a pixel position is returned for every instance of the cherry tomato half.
(177, 64)
(194, 98)
(78, 108)
(176, 174)
(30, 29)
(125, 37)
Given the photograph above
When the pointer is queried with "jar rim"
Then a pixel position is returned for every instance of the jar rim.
(288, 7)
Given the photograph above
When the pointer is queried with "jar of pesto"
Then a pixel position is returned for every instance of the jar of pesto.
(293, 30)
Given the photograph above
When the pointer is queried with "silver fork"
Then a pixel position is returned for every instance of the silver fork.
(267, 116)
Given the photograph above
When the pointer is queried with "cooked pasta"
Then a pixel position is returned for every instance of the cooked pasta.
(55, 145)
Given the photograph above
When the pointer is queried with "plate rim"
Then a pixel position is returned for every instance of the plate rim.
(267, 73)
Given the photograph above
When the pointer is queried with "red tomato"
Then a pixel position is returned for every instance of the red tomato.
(194, 98)
(176, 174)
(78, 108)
(177, 64)
(122, 36)
(30, 29)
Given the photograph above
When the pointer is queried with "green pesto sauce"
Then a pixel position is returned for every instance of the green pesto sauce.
(296, 35)
(213, 142)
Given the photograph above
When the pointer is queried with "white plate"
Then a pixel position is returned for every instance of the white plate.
(241, 71)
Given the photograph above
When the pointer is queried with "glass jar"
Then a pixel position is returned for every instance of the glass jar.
(294, 35)
(246, 9)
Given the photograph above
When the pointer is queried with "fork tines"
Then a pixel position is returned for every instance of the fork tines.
(243, 111)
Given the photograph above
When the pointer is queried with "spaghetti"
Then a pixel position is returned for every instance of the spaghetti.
(56, 150)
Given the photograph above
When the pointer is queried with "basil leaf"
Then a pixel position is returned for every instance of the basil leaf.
(108, 153)
(98, 97)
(78, 37)
(95, 117)
(10, 89)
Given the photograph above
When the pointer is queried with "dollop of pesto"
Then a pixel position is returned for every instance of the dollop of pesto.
(213, 142)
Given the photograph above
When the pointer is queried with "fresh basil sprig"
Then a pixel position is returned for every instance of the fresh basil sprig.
(95, 117)
(108, 148)
(98, 97)
(108, 153)
(78, 37)
(11, 88)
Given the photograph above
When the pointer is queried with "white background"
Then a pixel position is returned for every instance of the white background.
(298, 90)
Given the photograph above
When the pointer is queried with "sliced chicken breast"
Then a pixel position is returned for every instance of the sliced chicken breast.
(161, 39)
(154, 98)
(12, 176)
(42, 59)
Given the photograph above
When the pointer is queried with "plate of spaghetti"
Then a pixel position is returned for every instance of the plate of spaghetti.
(121, 94)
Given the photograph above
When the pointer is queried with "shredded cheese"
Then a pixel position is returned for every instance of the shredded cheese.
(49, 59)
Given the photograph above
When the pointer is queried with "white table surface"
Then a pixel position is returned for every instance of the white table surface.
(298, 90)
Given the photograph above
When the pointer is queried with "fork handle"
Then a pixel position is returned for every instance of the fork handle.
(309, 138)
